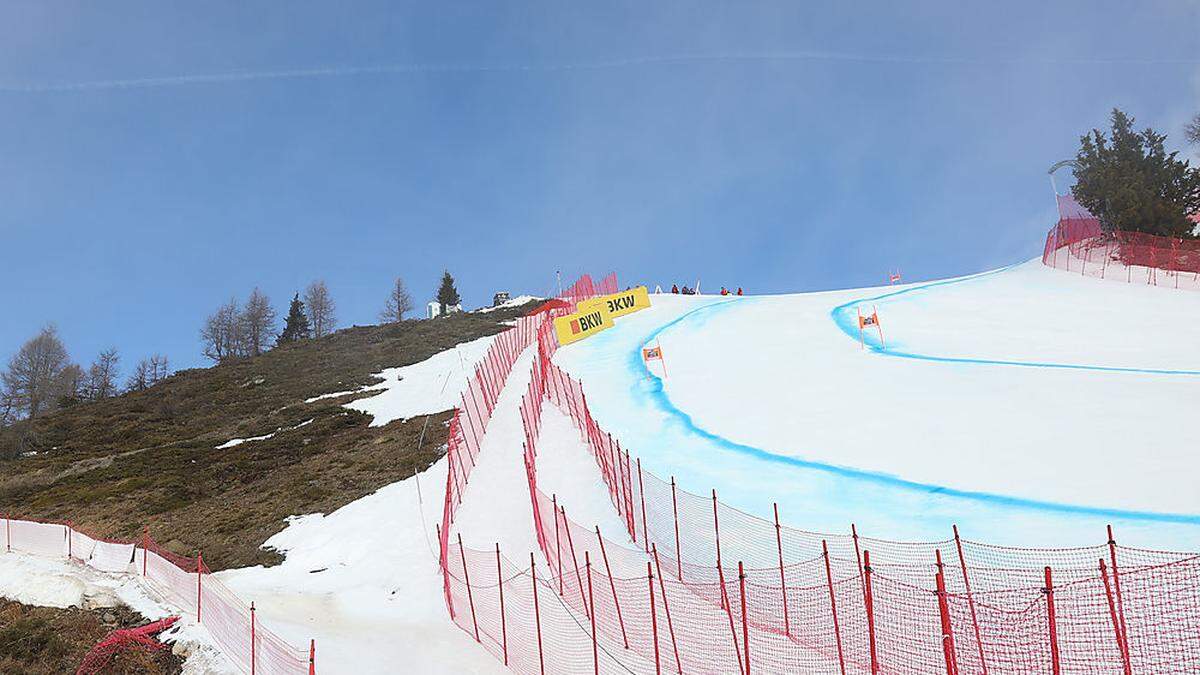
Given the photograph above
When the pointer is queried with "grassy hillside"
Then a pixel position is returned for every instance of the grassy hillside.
(149, 458)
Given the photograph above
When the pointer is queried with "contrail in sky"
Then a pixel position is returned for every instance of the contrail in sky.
(678, 59)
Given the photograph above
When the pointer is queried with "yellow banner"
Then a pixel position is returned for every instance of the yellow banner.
(622, 303)
(583, 323)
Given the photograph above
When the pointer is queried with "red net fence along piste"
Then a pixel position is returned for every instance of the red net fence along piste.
(123, 641)
(1078, 244)
(694, 585)
(184, 582)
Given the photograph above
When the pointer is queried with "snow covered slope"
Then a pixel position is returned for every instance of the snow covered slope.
(1028, 405)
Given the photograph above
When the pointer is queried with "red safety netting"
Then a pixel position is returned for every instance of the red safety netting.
(184, 582)
(124, 640)
(1078, 244)
(696, 585)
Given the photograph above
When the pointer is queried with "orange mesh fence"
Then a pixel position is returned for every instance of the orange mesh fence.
(1078, 244)
(124, 640)
(186, 583)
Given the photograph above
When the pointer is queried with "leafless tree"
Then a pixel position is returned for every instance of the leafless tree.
(399, 303)
(1192, 131)
(8, 407)
(102, 375)
(222, 333)
(160, 368)
(148, 372)
(320, 308)
(258, 323)
(34, 378)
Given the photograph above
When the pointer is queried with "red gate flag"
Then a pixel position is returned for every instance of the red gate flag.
(870, 320)
(652, 353)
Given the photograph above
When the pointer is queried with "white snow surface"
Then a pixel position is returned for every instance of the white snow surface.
(46, 582)
(424, 388)
(767, 399)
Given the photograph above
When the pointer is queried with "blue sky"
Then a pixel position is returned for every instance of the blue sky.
(159, 158)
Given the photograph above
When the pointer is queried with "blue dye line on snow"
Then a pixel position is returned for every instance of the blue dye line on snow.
(846, 318)
(660, 398)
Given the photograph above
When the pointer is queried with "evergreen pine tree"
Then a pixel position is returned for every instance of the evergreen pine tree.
(296, 327)
(447, 295)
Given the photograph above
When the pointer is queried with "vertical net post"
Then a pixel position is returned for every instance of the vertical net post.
(1112, 552)
(745, 622)
(587, 564)
(787, 625)
(675, 515)
(962, 561)
(312, 657)
(537, 613)
(642, 497)
(947, 630)
(70, 549)
(503, 619)
(612, 585)
(837, 631)
(1052, 623)
(1112, 615)
(870, 607)
(253, 640)
(557, 541)
(858, 559)
(199, 581)
(575, 561)
(8, 533)
(653, 619)
(145, 547)
(717, 532)
(629, 496)
(467, 582)
(662, 589)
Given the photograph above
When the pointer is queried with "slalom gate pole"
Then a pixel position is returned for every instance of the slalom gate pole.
(557, 541)
(1052, 623)
(878, 326)
(537, 613)
(575, 560)
(503, 619)
(253, 641)
(661, 357)
(962, 561)
(787, 626)
(870, 611)
(653, 619)
(675, 515)
(947, 629)
(717, 531)
(587, 564)
(662, 589)
(745, 622)
(862, 341)
(1112, 552)
(612, 585)
(859, 559)
(199, 581)
(837, 630)
(312, 657)
(467, 582)
(1112, 614)
(642, 497)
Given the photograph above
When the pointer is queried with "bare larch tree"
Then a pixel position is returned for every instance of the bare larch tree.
(102, 375)
(399, 303)
(319, 306)
(222, 333)
(258, 323)
(34, 378)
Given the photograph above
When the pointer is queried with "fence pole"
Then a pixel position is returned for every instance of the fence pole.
(787, 624)
(870, 604)
(587, 564)
(145, 547)
(1112, 552)
(948, 653)
(1053, 626)
(629, 492)
(859, 560)
(962, 561)
(253, 641)
(70, 550)
(571, 545)
(642, 497)
(653, 618)
(1112, 614)
(745, 622)
(717, 531)
(199, 579)
(675, 514)
(837, 630)
(312, 657)
(613, 586)
(615, 471)
(467, 581)
(662, 588)
(503, 620)
(557, 541)
(537, 612)
(8, 532)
